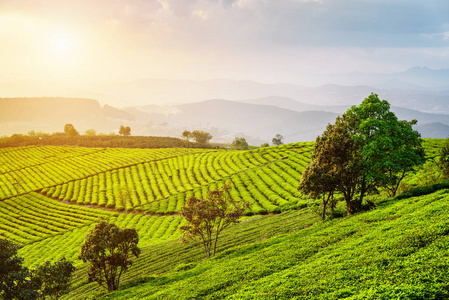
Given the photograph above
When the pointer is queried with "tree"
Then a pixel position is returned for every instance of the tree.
(90, 132)
(239, 143)
(125, 131)
(208, 217)
(70, 130)
(277, 140)
(201, 137)
(16, 281)
(108, 249)
(443, 159)
(367, 147)
(316, 182)
(55, 278)
(186, 134)
(265, 145)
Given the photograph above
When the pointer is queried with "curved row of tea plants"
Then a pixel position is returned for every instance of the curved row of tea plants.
(25, 169)
(32, 217)
(265, 177)
(151, 229)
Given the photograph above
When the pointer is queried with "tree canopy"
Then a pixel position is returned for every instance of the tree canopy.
(16, 281)
(201, 137)
(108, 248)
(277, 140)
(55, 277)
(366, 147)
(70, 130)
(208, 217)
(239, 143)
(125, 131)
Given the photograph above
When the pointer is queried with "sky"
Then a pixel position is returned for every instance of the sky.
(269, 41)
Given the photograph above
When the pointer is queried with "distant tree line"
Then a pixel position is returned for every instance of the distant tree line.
(71, 137)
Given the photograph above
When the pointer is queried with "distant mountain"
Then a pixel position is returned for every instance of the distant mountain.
(258, 121)
(21, 115)
(415, 78)
(433, 130)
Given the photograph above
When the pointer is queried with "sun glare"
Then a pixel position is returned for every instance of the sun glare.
(61, 44)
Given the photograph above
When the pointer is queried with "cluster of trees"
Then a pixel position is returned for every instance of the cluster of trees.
(107, 248)
(199, 136)
(18, 282)
(366, 148)
(111, 141)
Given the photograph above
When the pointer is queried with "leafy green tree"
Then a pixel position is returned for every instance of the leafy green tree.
(239, 143)
(277, 140)
(70, 130)
(186, 134)
(108, 249)
(201, 137)
(208, 217)
(125, 131)
(16, 281)
(55, 278)
(443, 159)
(367, 147)
(317, 182)
(265, 145)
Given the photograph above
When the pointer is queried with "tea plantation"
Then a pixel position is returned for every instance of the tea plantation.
(51, 196)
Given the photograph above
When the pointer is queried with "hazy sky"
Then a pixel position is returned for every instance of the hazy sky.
(263, 40)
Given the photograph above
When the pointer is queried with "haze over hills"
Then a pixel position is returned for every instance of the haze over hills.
(418, 88)
(258, 120)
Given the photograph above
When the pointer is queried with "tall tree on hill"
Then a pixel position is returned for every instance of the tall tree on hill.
(277, 140)
(108, 249)
(239, 143)
(201, 137)
(186, 134)
(70, 130)
(208, 217)
(366, 147)
(125, 131)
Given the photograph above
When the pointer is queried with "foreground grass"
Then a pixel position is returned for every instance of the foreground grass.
(397, 251)
(158, 260)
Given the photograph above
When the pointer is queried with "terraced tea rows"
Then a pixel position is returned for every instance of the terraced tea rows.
(25, 169)
(32, 217)
(151, 230)
(266, 178)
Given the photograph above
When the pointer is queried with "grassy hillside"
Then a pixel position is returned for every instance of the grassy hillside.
(397, 251)
(51, 196)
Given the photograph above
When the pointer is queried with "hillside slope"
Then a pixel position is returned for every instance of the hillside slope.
(397, 251)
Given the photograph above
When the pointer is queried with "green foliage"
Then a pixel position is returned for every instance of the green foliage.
(124, 130)
(239, 143)
(443, 159)
(265, 145)
(398, 251)
(317, 181)
(16, 281)
(55, 278)
(70, 130)
(107, 248)
(208, 217)
(367, 147)
(277, 140)
(201, 137)
(186, 134)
